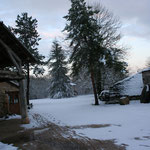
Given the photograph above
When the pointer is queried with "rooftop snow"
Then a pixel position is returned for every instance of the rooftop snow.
(131, 86)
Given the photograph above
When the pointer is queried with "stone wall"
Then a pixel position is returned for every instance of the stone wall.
(146, 77)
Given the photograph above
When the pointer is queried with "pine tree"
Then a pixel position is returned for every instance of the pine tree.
(26, 32)
(60, 83)
(83, 31)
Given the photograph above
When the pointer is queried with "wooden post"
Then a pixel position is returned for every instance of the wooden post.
(14, 58)
(28, 83)
(23, 103)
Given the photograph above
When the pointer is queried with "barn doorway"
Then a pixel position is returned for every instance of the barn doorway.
(13, 99)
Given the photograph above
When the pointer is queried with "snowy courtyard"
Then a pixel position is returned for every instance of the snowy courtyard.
(128, 125)
(74, 75)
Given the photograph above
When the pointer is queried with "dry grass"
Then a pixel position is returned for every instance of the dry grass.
(90, 126)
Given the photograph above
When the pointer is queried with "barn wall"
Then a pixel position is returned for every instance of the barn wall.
(3, 104)
(5, 87)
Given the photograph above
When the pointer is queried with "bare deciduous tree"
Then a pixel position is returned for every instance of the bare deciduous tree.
(110, 26)
(110, 33)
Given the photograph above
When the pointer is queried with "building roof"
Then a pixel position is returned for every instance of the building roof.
(131, 86)
(10, 75)
(146, 70)
(16, 46)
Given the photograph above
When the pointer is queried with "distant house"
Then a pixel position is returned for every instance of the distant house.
(13, 55)
(131, 86)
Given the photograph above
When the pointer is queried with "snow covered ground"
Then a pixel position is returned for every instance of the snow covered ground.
(7, 147)
(11, 117)
(129, 124)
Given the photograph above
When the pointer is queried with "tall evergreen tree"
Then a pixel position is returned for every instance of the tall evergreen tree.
(26, 31)
(93, 33)
(60, 83)
(83, 31)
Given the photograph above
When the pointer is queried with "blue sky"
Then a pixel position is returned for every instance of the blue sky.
(134, 15)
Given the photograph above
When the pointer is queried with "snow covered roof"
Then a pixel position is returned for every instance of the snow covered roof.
(131, 86)
(147, 69)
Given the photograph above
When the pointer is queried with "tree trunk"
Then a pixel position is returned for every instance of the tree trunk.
(98, 82)
(28, 83)
(94, 87)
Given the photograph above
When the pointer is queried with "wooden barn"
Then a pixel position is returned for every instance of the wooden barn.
(13, 55)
